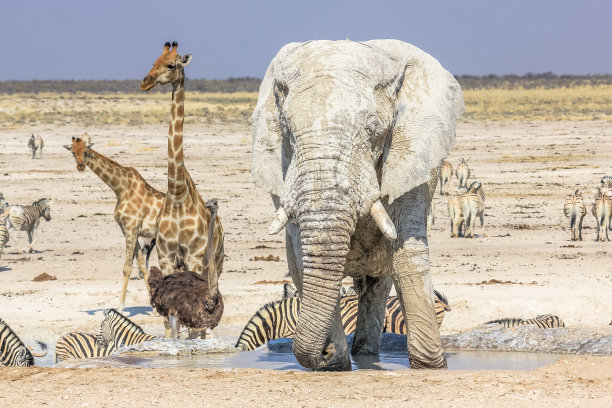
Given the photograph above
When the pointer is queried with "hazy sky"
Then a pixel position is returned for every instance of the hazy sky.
(111, 39)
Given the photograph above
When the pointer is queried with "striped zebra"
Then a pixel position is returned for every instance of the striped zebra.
(35, 144)
(606, 184)
(473, 205)
(431, 216)
(121, 331)
(575, 210)
(12, 350)
(455, 212)
(27, 218)
(602, 211)
(462, 172)
(279, 319)
(446, 174)
(77, 345)
(546, 321)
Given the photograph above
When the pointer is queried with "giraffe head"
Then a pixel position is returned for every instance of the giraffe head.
(168, 68)
(79, 150)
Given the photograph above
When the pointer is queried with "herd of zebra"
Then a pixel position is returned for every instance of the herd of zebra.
(272, 321)
(466, 204)
(575, 209)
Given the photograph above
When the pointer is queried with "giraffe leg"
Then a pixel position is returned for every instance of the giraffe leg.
(130, 243)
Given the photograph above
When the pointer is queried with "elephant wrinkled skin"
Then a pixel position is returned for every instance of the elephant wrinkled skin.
(348, 138)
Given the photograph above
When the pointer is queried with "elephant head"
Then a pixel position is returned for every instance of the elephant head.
(339, 126)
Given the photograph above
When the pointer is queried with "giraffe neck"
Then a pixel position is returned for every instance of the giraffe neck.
(177, 180)
(109, 171)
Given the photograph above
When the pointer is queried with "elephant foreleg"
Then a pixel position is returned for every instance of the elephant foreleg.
(371, 315)
(413, 282)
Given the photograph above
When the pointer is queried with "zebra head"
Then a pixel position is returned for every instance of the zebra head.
(44, 207)
(23, 357)
(106, 334)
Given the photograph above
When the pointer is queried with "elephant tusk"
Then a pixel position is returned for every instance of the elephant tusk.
(279, 222)
(383, 221)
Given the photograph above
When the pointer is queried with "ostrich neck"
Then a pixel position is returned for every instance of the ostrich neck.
(177, 183)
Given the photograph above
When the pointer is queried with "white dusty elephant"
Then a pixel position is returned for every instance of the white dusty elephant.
(348, 137)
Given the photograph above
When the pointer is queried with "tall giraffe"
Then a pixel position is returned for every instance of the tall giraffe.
(138, 204)
(182, 224)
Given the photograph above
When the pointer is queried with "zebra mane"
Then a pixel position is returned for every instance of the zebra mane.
(110, 314)
(443, 300)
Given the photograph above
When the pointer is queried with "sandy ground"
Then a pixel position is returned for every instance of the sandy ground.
(526, 168)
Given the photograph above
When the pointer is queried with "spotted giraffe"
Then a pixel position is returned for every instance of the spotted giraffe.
(182, 224)
(138, 204)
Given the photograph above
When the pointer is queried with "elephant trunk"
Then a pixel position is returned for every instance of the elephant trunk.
(325, 236)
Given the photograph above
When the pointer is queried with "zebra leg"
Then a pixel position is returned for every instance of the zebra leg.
(130, 245)
(371, 315)
(580, 229)
(31, 240)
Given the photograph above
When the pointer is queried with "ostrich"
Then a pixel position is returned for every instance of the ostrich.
(184, 297)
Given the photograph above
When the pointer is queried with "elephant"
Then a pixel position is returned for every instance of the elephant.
(348, 138)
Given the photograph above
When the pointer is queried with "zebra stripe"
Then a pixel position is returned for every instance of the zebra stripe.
(81, 345)
(279, 319)
(394, 319)
(118, 329)
(12, 350)
(546, 321)
(274, 320)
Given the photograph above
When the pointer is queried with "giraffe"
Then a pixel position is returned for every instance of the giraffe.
(183, 222)
(138, 204)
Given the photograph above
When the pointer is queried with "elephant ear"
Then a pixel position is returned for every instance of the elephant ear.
(429, 101)
(271, 154)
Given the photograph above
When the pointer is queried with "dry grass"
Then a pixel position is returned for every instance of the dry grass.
(87, 109)
(580, 103)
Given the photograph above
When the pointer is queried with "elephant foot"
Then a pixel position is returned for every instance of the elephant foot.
(420, 364)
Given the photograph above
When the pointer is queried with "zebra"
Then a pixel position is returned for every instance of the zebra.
(473, 204)
(27, 218)
(119, 330)
(462, 172)
(446, 174)
(546, 321)
(12, 350)
(279, 319)
(575, 210)
(455, 212)
(606, 184)
(602, 211)
(36, 143)
(82, 345)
